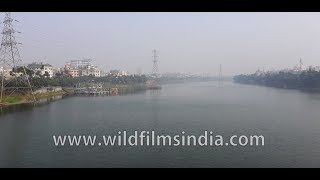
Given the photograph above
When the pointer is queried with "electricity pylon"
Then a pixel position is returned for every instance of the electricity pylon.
(14, 78)
(220, 78)
(155, 69)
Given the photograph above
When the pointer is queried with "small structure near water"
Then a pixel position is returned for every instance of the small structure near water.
(48, 89)
(40, 91)
(114, 91)
(95, 91)
(153, 84)
(89, 91)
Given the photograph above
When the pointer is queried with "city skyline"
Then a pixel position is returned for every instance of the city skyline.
(187, 42)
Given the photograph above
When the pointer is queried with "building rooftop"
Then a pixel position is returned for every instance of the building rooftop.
(36, 65)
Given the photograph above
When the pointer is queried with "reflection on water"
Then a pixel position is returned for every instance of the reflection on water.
(288, 119)
(155, 94)
(27, 107)
(46, 101)
(131, 92)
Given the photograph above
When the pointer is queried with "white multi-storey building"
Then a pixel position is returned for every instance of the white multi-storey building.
(48, 68)
(91, 71)
(7, 73)
(42, 68)
(317, 68)
(82, 68)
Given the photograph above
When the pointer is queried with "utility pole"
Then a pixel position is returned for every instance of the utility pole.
(10, 61)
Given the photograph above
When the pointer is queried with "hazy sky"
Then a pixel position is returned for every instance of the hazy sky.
(187, 42)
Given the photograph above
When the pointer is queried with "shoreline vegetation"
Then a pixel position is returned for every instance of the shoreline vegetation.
(109, 80)
(28, 98)
(306, 80)
(124, 84)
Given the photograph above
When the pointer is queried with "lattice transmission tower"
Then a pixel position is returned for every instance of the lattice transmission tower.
(220, 77)
(300, 64)
(14, 78)
(155, 69)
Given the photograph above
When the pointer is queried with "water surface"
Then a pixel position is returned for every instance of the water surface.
(289, 120)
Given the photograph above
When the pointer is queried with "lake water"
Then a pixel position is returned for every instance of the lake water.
(288, 119)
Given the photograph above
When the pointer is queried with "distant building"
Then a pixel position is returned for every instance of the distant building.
(49, 69)
(74, 72)
(80, 64)
(119, 73)
(42, 69)
(124, 73)
(91, 71)
(82, 68)
(67, 66)
(5, 72)
(35, 67)
(97, 73)
(114, 72)
(57, 70)
(103, 73)
(8, 73)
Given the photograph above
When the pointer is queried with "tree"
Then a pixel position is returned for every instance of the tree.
(38, 73)
(29, 72)
(58, 74)
(65, 81)
(305, 80)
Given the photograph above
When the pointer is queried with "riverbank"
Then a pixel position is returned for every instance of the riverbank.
(306, 81)
(25, 99)
(305, 90)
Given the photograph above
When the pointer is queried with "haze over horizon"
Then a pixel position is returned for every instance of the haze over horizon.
(187, 42)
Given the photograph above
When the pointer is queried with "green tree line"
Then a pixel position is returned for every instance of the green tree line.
(67, 81)
(306, 80)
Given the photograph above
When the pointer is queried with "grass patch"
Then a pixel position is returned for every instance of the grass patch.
(18, 99)
(12, 100)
